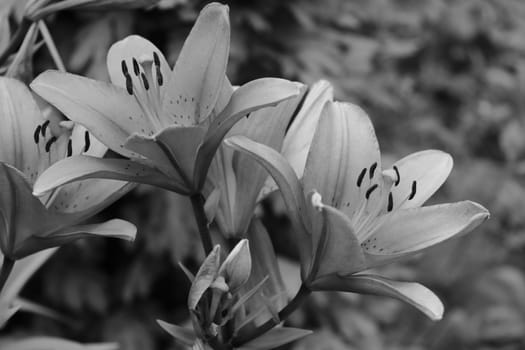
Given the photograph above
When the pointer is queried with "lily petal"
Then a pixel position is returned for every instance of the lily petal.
(200, 68)
(412, 230)
(412, 293)
(251, 96)
(180, 144)
(106, 110)
(237, 267)
(22, 271)
(340, 250)
(266, 126)
(86, 198)
(429, 169)
(129, 48)
(17, 204)
(204, 277)
(86, 167)
(115, 228)
(264, 266)
(183, 335)
(289, 184)
(299, 137)
(20, 117)
(344, 146)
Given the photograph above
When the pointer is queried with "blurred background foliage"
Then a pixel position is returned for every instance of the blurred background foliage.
(431, 74)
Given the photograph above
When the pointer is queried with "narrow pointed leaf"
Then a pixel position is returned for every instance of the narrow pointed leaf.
(251, 96)
(183, 335)
(412, 293)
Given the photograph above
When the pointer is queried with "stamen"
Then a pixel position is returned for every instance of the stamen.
(44, 128)
(36, 135)
(69, 148)
(136, 68)
(360, 177)
(390, 202)
(370, 190)
(124, 67)
(160, 79)
(372, 170)
(413, 193)
(129, 84)
(156, 59)
(145, 81)
(49, 143)
(398, 175)
(87, 141)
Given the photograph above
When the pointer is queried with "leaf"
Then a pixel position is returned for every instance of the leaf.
(183, 335)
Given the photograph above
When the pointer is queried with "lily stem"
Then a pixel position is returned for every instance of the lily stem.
(50, 43)
(299, 298)
(197, 202)
(5, 271)
(16, 40)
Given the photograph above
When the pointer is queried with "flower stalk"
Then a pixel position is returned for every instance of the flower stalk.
(5, 271)
(197, 203)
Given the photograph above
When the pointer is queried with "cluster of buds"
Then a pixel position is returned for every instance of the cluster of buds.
(225, 300)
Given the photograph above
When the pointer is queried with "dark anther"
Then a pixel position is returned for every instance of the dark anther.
(372, 170)
(413, 192)
(129, 84)
(145, 81)
(87, 141)
(36, 135)
(156, 59)
(361, 177)
(370, 190)
(69, 148)
(136, 68)
(124, 67)
(49, 143)
(390, 202)
(160, 79)
(44, 128)
(398, 178)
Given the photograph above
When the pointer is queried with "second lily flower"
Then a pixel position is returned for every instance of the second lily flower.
(168, 123)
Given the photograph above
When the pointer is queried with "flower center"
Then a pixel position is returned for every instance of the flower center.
(145, 83)
(377, 204)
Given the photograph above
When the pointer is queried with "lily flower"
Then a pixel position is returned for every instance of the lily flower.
(220, 305)
(29, 144)
(350, 215)
(168, 124)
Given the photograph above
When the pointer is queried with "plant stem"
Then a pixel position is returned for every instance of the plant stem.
(51, 46)
(301, 295)
(5, 271)
(16, 40)
(197, 202)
